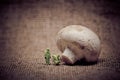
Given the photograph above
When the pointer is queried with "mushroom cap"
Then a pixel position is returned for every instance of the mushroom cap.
(83, 42)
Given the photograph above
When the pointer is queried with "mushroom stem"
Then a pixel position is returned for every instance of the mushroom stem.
(68, 56)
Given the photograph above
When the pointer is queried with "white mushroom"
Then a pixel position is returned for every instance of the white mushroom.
(77, 42)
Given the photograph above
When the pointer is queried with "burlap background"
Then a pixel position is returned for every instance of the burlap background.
(28, 27)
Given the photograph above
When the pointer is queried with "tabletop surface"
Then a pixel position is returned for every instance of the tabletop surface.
(28, 27)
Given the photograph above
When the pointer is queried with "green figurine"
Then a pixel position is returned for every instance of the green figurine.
(47, 56)
(56, 59)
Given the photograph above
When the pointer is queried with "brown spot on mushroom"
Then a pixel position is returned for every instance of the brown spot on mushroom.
(82, 47)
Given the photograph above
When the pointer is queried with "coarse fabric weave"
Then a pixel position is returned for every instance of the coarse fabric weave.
(28, 27)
